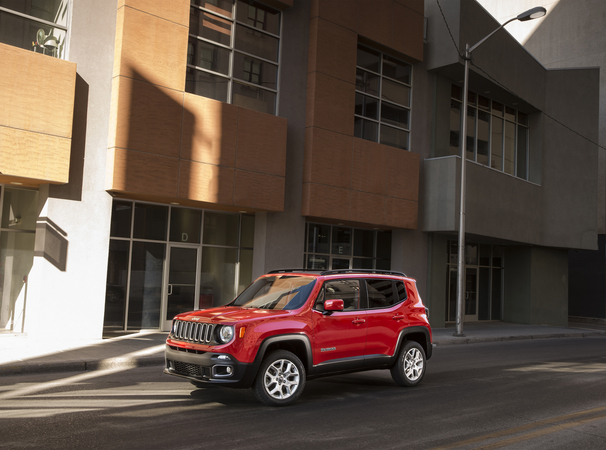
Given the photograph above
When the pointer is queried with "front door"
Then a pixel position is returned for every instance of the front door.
(471, 293)
(181, 283)
(339, 337)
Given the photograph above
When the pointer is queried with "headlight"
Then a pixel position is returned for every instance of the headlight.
(226, 334)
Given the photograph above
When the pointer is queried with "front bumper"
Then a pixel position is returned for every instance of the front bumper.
(208, 368)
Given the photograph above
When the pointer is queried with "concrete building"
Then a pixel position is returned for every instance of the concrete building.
(572, 35)
(156, 156)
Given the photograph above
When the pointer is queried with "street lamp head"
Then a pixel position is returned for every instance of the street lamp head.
(531, 14)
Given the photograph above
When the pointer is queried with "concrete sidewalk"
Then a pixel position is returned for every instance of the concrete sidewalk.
(21, 355)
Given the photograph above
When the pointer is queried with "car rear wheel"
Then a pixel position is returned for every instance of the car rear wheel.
(410, 367)
(280, 380)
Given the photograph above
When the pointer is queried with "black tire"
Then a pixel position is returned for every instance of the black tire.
(280, 380)
(410, 367)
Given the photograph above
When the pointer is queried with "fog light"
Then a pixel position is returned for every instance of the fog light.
(229, 370)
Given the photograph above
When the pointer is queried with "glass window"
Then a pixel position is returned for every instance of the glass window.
(346, 290)
(496, 144)
(244, 48)
(455, 127)
(20, 209)
(341, 241)
(117, 282)
(522, 155)
(145, 294)
(121, 219)
(150, 222)
(497, 134)
(248, 231)
(383, 95)
(318, 238)
(367, 82)
(364, 243)
(16, 260)
(381, 293)
(217, 276)
(221, 229)
(185, 225)
(332, 247)
(510, 148)
(41, 26)
(483, 137)
(401, 291)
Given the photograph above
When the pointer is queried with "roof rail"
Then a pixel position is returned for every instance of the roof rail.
(376, 271)
(294, 270)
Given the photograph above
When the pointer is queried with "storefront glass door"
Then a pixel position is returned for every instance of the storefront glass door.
(182, 282)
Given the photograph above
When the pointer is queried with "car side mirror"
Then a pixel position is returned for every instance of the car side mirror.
(331, 306)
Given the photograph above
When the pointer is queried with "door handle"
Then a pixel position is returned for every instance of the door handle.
(170, 289)
(358, 321)
(399, 317)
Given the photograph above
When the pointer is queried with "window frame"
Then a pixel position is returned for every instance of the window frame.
(495, 114)
(379, 122)
(230, 77)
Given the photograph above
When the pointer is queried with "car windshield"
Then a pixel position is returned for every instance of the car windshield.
(276, 292)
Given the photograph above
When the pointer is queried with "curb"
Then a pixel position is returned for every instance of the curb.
(477, 340)
(79, 366)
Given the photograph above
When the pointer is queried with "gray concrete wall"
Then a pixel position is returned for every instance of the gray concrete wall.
(279, 237)
(536, 286)
(570, 35)
(436, 288)
(70, 294)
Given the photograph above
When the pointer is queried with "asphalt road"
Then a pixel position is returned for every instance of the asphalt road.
(542, 394)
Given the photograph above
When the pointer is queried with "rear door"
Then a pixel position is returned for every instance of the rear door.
(339, 337)
(385, 315)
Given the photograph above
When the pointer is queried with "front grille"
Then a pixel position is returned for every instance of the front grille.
(191, 370)
(201, 333)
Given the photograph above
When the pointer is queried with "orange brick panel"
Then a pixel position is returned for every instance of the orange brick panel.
(209, 131)
(375, 20)
(206, 183)
(259, 191)
(403, 174)
(261, 142)
(146, 117)
(151, 49)
(36, 92)
(325, 201)
(401, 213)
(336, 50)
(367, 208)
(330, 103)
(143, 173)
(175, 11)
(328, 158)
(369, 167)
(340, 12)
(34, 155)
(408, 32)
(415, 5)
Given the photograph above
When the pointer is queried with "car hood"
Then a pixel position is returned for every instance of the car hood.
(230, 314)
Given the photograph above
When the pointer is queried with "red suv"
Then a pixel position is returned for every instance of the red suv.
(293, 325)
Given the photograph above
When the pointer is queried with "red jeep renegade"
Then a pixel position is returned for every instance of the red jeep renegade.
(293, 325)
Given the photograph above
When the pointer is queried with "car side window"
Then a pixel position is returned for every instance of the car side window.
(402, 294)
(382, 293)
(347, 290)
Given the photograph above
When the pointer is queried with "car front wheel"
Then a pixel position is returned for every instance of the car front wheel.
(410, 367)
(280, 380)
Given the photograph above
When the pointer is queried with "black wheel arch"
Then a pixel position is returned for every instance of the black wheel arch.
(418, 334)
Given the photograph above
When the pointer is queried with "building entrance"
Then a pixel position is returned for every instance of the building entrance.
(483, 296)
(181, 283)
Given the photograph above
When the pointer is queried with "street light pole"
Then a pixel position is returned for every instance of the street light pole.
(533, 13)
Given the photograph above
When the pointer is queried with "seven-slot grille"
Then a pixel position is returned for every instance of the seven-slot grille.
(193, 331)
